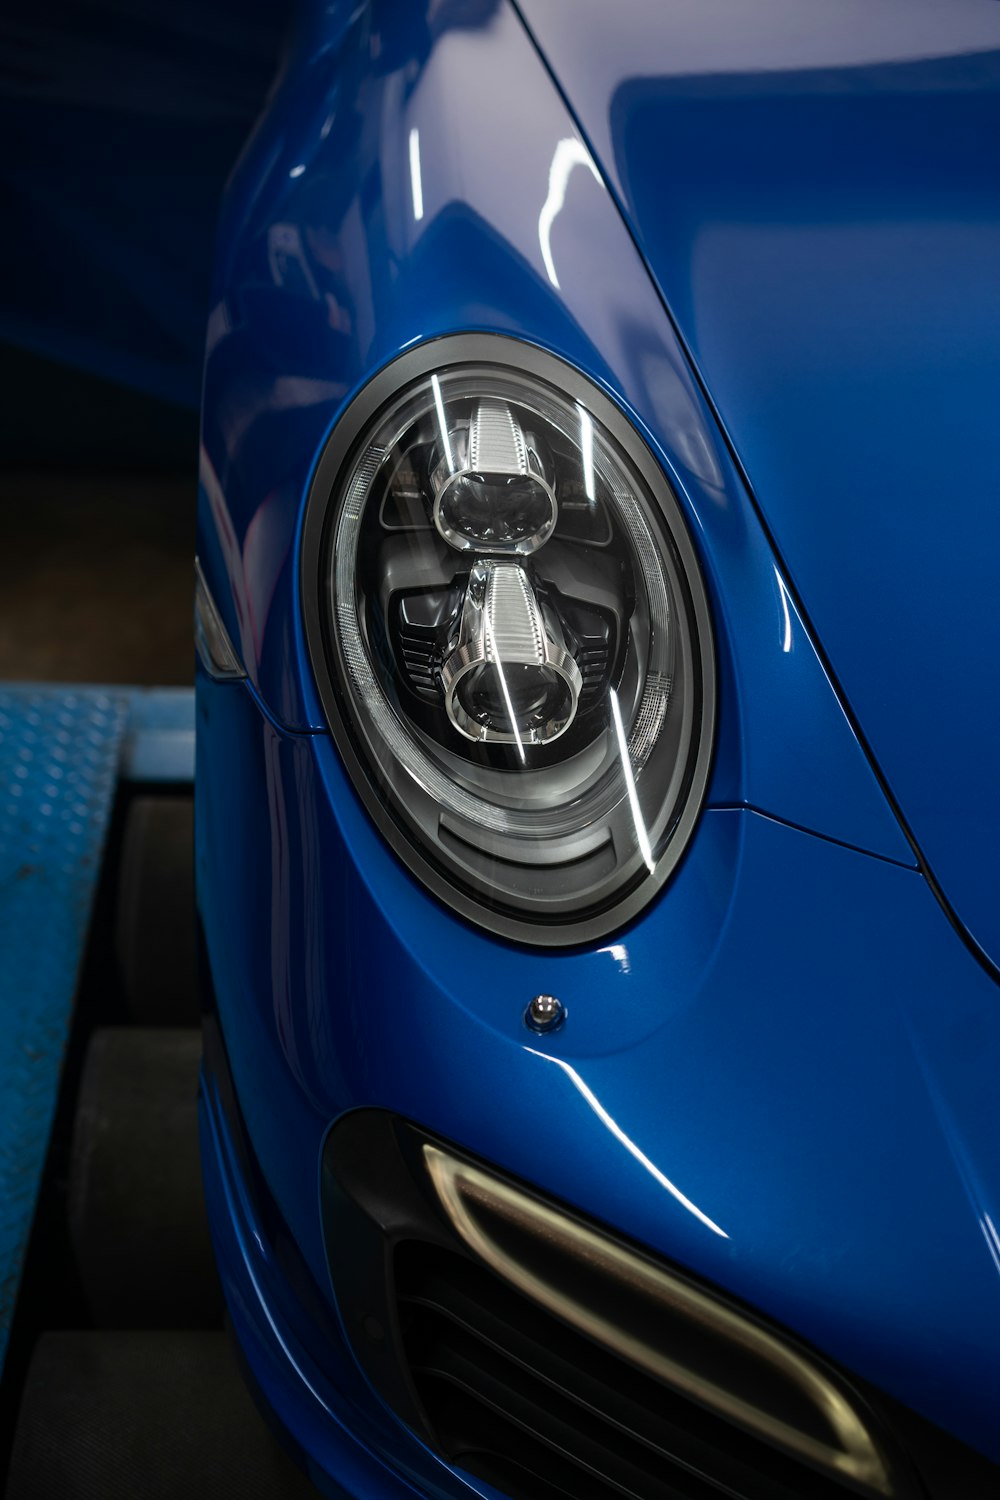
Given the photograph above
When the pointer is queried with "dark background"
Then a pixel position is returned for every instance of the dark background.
(120, 121)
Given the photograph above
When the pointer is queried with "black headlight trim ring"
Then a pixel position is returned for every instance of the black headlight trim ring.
(511, 355)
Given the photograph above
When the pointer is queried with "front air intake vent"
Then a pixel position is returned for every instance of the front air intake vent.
(519, 1399)
(530, 1347)
(616, 1375)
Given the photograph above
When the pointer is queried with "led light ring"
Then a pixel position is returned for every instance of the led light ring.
(551, 822)
(418, 794)
(495, 816)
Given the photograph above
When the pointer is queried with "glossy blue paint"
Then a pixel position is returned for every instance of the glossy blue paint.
(781, 1075)
(816, 1129)
(300, 1365)
(820, 206)
(292, 335)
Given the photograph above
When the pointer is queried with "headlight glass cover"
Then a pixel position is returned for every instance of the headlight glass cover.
(511, 637)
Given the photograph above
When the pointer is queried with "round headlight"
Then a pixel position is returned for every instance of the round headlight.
(510, 637)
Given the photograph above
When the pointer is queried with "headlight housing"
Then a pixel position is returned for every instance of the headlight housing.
(511, 637)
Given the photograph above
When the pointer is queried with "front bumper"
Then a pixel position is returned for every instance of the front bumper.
(342, 1428)
(781, 1078)
(295, 1358)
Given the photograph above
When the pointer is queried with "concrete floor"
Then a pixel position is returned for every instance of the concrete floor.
(96, 577)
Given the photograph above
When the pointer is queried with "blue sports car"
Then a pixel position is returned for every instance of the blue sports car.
(598, 744)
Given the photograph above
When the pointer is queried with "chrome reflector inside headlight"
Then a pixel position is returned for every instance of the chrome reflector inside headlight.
(511, 637)
(492, 492)
(509, 680)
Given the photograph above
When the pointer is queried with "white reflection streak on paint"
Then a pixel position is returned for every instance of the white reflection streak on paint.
(630, 1145)
(416, 182)
(492, 641)
(633, 796)
(786, 644)
(442, 424)
(569, 153)
(991, 1237)
(619, 953)
(587, 451)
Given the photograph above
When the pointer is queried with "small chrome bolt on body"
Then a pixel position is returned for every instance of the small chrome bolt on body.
(545, 1013)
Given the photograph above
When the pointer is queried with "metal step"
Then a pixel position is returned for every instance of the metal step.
(135, 1208)
(144, 1416)
(154, 926)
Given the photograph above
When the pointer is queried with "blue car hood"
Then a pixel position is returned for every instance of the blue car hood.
(815, 190)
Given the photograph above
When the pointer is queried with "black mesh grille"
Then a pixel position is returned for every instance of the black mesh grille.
(521, 1400)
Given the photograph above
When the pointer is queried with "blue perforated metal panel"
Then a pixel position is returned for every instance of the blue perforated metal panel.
(59, 754)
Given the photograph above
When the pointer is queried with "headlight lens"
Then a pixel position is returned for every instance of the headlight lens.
(511, 637)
